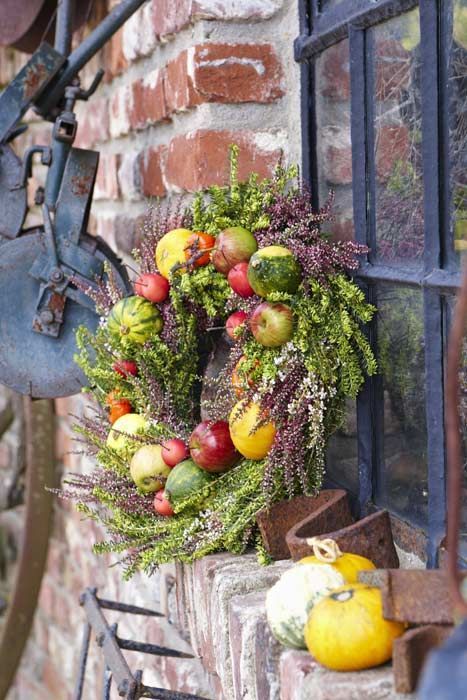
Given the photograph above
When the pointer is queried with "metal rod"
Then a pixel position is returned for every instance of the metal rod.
(454, 446)
(161, 694)
(83, 658)
(105, 639)
(64, 26)
(107, 684)
(89, 47)
(155, 649)
(124, 607)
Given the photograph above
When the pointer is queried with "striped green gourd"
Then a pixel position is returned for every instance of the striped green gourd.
(135, 320)
(274, 269)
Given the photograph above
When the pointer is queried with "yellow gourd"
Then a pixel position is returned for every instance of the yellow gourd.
(327, 552)
(171, 250)
(346, 630)
(251, 441)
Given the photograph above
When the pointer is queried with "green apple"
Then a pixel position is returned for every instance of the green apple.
(148, 470)
(119, 437)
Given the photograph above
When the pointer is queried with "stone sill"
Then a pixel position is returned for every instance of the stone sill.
(220, 608)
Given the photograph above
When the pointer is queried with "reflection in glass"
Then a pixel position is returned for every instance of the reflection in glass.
(342, 455)
(333, 135)
(463, 417)
(457, 115)
(398, 140)
(402, 481)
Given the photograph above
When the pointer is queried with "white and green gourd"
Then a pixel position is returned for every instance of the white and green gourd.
(290, 600)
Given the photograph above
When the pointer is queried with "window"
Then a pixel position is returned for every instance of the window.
(384, 121)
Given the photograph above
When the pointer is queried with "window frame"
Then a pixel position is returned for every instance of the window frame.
(321, 28)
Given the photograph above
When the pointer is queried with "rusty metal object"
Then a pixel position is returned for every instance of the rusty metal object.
(24, 23)
(410, 651)
(116, 669)
(327, 511)
(39, 423)
(415, 596)
(454, 448)
(370, 537)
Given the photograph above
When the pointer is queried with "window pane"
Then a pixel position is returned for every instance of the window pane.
(333, 137)
(402, 477)
(398, 141)
(457, 115)
(463, 417)
(342, 456)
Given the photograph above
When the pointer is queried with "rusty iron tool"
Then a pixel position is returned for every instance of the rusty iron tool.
(40, 473)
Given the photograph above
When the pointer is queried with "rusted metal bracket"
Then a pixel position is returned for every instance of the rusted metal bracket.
(40, 473)
(327, 511)
(414, 596)
(410, 651)
(370, 537)
(116, 669)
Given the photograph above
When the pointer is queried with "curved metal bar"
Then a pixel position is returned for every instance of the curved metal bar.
(40, 472)
(454, 446)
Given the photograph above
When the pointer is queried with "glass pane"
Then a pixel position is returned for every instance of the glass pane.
(402, 478)
(333, 135)
(457, 115)
(463, 416)
(398, 141)
(342, 456)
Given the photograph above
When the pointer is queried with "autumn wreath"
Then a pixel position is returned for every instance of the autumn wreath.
(248, 258)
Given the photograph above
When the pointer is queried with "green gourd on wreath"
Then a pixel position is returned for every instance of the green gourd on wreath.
(135, 320)
(186, 479)
(274, 269)
(293, 596)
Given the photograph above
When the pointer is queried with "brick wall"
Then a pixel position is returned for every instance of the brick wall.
(184, 79)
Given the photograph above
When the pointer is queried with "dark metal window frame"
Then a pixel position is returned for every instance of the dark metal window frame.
(320, 28)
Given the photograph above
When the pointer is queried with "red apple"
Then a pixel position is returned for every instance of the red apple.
(152, 287)
(238, 280)
(174, 451)
(162, 504)
(125, 367)
(211, 446)
(234, 323)
(233, 245)
(272, 324)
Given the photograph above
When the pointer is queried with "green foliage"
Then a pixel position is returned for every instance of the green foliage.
(328, 346)
(239, 204)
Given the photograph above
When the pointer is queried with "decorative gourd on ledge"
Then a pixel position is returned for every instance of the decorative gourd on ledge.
(296, 353)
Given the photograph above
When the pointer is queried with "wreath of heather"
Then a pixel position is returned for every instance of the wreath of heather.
(301, 386)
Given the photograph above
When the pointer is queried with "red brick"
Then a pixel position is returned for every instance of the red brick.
(342, 229)
(107, 186)
(294, 667)
(200, 159)
(170, 16)
(337, 164)
(93, 123)
(392, 69)
(119, 112)
(178, 85)
(148, 104)
(234, 11)
(237, 73)
(114, 58)
(152, 184)
(53, 680)
(392, 146)
(334, 72)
